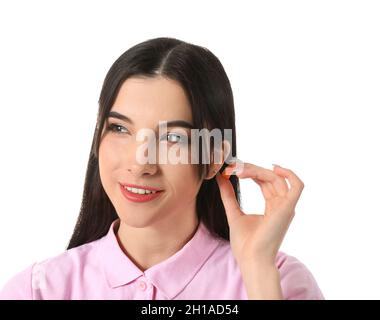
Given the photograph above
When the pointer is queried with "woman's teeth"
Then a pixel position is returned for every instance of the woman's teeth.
(139, 191)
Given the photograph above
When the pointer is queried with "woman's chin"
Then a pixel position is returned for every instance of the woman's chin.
(136, 219)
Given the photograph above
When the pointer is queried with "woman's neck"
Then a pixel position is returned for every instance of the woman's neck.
(155, 243)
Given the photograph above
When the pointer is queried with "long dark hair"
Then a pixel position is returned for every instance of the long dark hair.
(208, 89)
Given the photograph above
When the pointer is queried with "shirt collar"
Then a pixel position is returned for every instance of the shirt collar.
(171, 275)
(118, 268)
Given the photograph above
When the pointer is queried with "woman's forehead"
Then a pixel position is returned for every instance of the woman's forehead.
(155, 98)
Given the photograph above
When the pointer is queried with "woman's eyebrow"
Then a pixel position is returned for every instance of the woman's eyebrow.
(117, 115)
(172, 123)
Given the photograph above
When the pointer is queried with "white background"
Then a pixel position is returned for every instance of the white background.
(306, 80)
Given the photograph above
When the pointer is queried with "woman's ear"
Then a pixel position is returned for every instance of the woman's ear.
(219, 159)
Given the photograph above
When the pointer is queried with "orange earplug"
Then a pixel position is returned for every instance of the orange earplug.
(226, 176)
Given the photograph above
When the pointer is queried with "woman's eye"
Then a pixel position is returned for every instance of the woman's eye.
(175, 138)
(117, 128)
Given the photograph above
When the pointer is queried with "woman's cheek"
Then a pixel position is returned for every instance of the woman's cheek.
(185, 178)
(108, 160)
(110, 151)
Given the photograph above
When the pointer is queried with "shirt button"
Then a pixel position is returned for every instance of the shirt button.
(142, 285)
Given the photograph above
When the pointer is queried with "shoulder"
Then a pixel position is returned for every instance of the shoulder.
(54, 271)
(297, 281)
(19, 286)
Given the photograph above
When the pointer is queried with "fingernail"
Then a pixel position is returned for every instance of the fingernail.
(276, 165)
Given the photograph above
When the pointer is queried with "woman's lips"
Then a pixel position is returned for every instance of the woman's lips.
(139, 187)
(135, 197)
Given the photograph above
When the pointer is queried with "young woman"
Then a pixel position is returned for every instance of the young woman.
(163, 230)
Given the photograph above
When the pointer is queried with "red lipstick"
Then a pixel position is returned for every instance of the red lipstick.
(135, 197)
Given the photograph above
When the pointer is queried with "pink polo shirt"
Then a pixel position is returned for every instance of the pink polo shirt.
(204, 268)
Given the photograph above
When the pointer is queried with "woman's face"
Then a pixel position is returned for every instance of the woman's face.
(146, 101)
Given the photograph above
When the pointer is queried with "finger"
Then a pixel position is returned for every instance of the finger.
(266, 189)
(227, 194)
(277, 183)
(249, 170)
(296, 184)
(281, 185)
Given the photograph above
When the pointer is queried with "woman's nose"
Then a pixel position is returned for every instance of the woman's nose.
(137, 169)
(142, 158)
